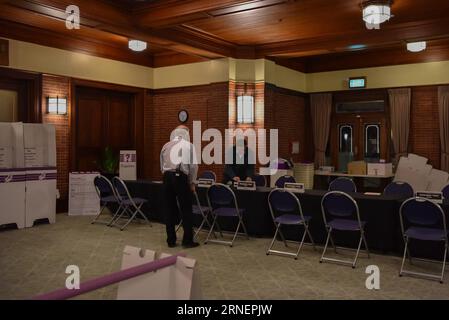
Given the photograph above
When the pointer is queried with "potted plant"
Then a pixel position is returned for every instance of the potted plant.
(109, 163)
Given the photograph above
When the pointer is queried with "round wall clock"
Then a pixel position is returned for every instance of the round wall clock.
(183, 116)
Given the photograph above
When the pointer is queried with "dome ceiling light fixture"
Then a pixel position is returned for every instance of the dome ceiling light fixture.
(137, 45)
(376, 12)
(416, 46)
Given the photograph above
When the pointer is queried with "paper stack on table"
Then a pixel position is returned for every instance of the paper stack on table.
(421, 176)
(304, 173)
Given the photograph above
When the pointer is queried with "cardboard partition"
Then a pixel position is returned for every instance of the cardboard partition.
(177, 282)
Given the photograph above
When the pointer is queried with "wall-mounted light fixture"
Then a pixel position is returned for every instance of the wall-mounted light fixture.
(57, 105)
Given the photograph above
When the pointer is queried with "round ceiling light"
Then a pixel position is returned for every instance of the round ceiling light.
(376, 12)
(416, 46)
(137, 45)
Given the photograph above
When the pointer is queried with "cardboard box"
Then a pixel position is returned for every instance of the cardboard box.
(380, 169)
(357, 167)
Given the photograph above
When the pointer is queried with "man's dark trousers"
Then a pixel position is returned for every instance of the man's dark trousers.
(176, 187)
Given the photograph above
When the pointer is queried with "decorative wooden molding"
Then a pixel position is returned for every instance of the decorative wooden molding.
(4, 52)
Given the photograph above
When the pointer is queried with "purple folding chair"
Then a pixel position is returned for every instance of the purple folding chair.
(445, 192)
(131, 206)
(343, 184)
(260, 180)
(424, 220)
(107, 196)
(208, 175)
(223, 203)
(399, 188)
(341, 213)
(282, 180)
(197, 209)
(286, 209)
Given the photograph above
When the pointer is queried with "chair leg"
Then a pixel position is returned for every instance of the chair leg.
(178, 226)
(366, 244)
(300, 245)
(404, 255)
(282, 237)
(274, 239)
(326, 244)
(143, 215)
(211, 229)
(358, 251)
(118, 215)
(235, 233)
(306, 230)
(444, 261)
(129, 221)
(244, 229)
(98, 215)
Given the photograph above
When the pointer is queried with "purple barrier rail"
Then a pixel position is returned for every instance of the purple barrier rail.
(109, 279)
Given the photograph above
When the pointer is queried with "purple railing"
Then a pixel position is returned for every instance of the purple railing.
(109, 279)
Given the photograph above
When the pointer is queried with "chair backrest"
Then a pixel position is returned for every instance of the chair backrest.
(282, 201)
(121, 189)
(260, 180)
(337, 204)
(103, 186)
(282, 180)
(421, 212)
(208, 175)
(399, 188)
(342, 184)
(221, 195)
(446, 192)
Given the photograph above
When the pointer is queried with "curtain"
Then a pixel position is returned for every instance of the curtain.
(321, 109)
(443, 107)
(400, 119)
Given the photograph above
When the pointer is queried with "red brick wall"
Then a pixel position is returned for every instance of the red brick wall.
(208, 104)
(286, 110)
(424, 137)
(59, 86)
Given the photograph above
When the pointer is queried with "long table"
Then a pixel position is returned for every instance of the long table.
(381, 214)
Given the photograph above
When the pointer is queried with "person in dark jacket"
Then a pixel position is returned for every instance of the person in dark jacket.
(240, 169)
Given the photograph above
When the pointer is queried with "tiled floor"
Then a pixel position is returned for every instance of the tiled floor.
(33, 261)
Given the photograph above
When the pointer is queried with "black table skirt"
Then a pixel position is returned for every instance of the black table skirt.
(381, 214)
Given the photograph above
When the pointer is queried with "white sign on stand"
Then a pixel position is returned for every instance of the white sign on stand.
(179, 281)
(83, 198)
(128, 165)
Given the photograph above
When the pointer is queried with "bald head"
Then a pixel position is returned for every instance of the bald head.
(181, 131)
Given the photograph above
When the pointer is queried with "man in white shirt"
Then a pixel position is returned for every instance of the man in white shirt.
(180, 169)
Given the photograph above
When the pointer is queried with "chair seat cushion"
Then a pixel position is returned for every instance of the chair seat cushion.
(291, 219)
(422, 233)
(198, 209)
(227, 212)
(108, 199)
(346, 224)
(136, 201)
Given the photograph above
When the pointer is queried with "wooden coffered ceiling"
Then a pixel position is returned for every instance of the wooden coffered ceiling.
(308, 35)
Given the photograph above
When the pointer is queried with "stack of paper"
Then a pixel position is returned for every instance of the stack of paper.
(421, 176)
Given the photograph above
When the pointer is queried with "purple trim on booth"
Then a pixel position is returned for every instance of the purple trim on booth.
(109, 279)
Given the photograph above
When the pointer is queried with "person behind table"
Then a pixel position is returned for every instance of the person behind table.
(180, 169)
(240, 169)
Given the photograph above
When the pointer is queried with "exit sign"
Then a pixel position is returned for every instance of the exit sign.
(357, 83)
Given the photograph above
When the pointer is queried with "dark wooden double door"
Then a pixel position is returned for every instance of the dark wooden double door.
(104, 118)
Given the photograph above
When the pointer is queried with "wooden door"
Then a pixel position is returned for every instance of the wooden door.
(103, 119)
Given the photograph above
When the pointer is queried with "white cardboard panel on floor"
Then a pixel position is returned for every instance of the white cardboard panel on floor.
(83, 198)
(177, 282)
(40, 161)
(12, 197)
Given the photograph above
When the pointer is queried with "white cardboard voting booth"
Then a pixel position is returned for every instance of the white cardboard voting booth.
(177, 282)
(12, 175)
(83, 198)
(40, 162)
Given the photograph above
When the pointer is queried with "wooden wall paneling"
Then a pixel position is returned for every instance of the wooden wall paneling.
(4, 52)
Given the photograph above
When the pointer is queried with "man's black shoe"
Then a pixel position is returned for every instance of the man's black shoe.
(190, 245)
(172, 245)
